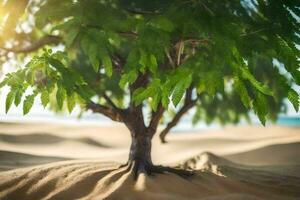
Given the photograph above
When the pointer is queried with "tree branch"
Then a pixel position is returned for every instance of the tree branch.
(108, 112)
(207, 8)
(254, 32)
(170, 58)
(46, 40)
(156, 116)
(141, 12)
(51, 39)
(124, 33)
(118, 62)
(188, 95)
(141, 81)
(188, 104)
(136, 112)
(196, 41)
(175, 120)
(129, 33)
(110, 102)
(179, 50)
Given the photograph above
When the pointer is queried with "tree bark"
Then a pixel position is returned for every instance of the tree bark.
(139, 159)
(140, 151)
(186, 107)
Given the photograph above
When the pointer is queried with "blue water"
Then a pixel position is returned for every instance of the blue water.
(184, 126)
(289, 121)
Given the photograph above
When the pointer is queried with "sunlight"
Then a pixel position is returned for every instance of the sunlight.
(140, 184)
(3, 17)
(10, 14)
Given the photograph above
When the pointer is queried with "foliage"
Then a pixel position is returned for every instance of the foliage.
(225, 51)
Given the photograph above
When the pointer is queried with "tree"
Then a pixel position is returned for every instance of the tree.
(135, 61)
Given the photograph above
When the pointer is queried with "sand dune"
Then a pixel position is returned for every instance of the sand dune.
(45, 138)
(289, 154)
(215, 178)
(262, 165)
(12, 160)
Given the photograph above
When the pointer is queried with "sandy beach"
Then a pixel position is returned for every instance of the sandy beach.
(47, 161)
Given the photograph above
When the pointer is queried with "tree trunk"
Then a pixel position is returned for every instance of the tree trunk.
(139, 160)
(140, 151)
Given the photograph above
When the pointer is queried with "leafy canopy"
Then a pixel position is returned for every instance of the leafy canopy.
(229, 53)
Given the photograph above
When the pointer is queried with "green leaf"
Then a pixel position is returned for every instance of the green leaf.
(114, 38)
(287, 54)
(93, 56)
(293, 97)
(9, 99)
(178, 93)
(242, 91)
(258, 85)
(71, 102)
(153, 64)
(141, 94)
(132, 60)
(45, 98)
(60, 96)
(85, 44)
(71, 36)
(57, 64)
(155, 101)
(163, 24)
(29, 77)
(165, 101)
(211, 82)
(180, 88)
(260, 105)
(71, 29)
(107, 65)
(18, 97)
(4, 82)
(91, 50)
(28, 103)
(296, 76)
(95, 45)
(128, 77)
(16, 78)
(143, 61)
(166, 90)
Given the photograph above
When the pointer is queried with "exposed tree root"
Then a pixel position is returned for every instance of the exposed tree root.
(180, 172)
(150, 169)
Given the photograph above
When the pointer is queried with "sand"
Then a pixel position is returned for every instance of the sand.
(47, 161)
